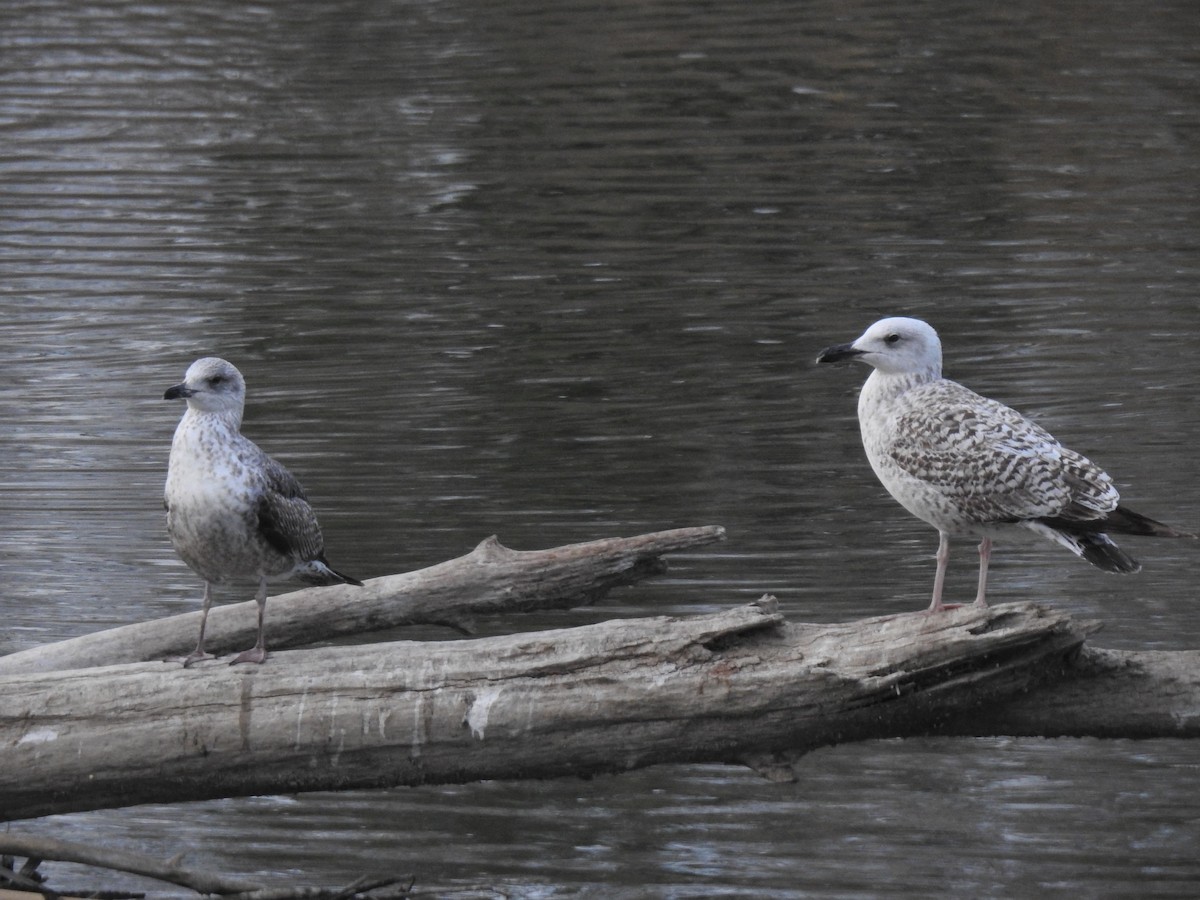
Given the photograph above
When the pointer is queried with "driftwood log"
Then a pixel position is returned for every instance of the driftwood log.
(739, 686)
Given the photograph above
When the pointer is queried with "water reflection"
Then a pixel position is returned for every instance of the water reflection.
(559, 273)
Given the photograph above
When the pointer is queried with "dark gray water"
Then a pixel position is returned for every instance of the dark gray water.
(559, 272)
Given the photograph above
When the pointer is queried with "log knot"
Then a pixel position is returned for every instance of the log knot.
(491, 551)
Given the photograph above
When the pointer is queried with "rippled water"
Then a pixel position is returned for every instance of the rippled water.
(560, 272)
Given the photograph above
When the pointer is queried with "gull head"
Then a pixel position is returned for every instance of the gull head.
(895, 346)
(211, 385)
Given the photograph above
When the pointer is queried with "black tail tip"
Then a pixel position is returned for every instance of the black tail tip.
(1125, 521)
(1104, 554)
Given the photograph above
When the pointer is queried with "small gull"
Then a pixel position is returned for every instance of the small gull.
(971, 466)
(232, 511)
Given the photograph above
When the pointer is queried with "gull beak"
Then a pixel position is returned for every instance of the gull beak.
(178, 392)
(839, 353)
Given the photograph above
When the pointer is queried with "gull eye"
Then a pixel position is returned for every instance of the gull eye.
(214, 380)
(892, 338)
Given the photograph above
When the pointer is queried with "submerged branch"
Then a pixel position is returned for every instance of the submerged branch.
(44, 848)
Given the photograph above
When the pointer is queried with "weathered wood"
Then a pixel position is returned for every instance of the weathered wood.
(1102, 693)
(735, 686)
(490, 579)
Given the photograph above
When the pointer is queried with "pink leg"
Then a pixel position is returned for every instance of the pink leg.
(939, 580)
(985, 554)
(199, 653)
(258, 652)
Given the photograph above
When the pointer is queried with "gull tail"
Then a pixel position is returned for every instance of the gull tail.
(1126, 521)
(319, 572)
(1089, 538)
(1094, 546)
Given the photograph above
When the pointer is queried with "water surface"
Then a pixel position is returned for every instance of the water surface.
(559, 272)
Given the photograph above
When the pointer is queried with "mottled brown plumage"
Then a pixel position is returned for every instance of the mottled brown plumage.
(969, 465)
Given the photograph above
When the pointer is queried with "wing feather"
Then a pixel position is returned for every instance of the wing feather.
(991, 461)
(286, 521)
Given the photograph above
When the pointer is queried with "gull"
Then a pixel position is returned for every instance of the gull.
(233, 512)
(971, 466)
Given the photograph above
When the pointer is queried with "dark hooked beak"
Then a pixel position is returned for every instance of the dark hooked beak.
(178, 392)
(839, 353)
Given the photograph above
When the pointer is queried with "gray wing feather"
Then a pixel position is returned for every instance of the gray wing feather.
(285, 519)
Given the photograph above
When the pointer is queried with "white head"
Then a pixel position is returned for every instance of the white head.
(211, 385)
(895, 346)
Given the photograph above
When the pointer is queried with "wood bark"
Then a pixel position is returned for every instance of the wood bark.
(1102, 693)
(488, 580)
(740, 686)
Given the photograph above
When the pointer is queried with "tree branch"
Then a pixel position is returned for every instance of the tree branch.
(488, 580)
(122, 861)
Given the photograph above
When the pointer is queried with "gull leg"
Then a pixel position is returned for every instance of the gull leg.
(258, 652)
(199, 653)
(985, 554)
(939, 580)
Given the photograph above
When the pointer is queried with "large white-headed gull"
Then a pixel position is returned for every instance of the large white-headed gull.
(234, 513)
(971, 466)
